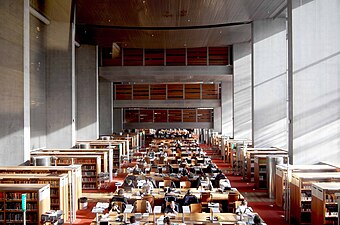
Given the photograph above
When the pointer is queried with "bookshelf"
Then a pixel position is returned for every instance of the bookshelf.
(38, 202)
(261, 176)
(74, 178)
(282, 175)
(301, 193)
(59, 196)
(250, 154)
(106, 156)
(324, 203)
(91, 167)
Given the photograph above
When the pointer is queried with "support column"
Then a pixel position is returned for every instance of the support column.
(87, 85)
(105, 106)
(269, 83)
(242, 91)
(316, 81)
(227, 107)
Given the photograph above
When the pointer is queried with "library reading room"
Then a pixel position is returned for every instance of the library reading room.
(170, 112)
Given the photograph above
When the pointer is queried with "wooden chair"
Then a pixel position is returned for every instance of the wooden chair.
(205, 199)
(232, 199)
(150, 199)
(196, 208)
(147, 160)
(141, 206)
(167, 183)
(185, 184)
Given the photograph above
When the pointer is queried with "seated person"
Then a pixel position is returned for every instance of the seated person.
(136, 170)
(189, 198)
(204, 182)
(166, 221)
(257, 220)
(218, 177)
(128, 183)
(133, 221)
(243, 208)
(170, 208)
(118, 198)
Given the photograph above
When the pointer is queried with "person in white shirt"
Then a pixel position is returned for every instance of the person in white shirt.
(243, 208)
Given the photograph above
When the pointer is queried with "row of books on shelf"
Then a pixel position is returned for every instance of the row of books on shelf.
(17, 195)
(77, 161)
(17, 206)
(88, 167)
(10, 217)
(91, 174)
(89, 186)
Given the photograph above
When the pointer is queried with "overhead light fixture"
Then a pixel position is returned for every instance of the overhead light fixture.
(115, 50)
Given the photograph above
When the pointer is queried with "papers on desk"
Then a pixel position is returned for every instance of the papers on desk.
(157, 209)
(128, 208)
(186, 209)
(100, 207)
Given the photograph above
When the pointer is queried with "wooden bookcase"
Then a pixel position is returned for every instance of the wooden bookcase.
(59, 196)
(37, 203)
(90, 166)
(260, 170)
(105, 153)
(75, 152)
(324, 203)
(250, 159)
(301, 194)
(73, 172)
(282, 175)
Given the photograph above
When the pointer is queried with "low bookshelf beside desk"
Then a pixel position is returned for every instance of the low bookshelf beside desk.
(37, 202)
(282, 174)
(301, 194)
(58, 185)
(324, 203)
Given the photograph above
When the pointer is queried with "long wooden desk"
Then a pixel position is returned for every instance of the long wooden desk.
(190, 218)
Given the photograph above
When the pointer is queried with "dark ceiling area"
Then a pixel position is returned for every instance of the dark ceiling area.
(170, 23)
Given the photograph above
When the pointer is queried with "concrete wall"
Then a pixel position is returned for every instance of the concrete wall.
(105, 106)
(227, 107)
(316, 81)
(118, 116)
(11, 83)
(269, 80)
(242, 91)
(37, 83)
(59, 76)
(87, 92)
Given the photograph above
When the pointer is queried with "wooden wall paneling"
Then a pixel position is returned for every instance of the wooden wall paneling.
(107, 59)
(192, 91)
(189, 115)
(197, 56)
(154, 57)
(175, 115)
(133, 57)
(131, 115)
(140, 91)
(160, 115)
(157, 91)
(210, 91)
(146, 116)
(175, 57)
(204, 115)
(123, 91)
(175, 91)
(218, 55)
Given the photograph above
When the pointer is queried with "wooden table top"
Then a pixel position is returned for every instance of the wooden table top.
(203, 218)
(160, 194)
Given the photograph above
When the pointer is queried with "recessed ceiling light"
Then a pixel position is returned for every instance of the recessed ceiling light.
(188, 20)
(144, 2)
(152, 35)
(185, 45)
(109, 20)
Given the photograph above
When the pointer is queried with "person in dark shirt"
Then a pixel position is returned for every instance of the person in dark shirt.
(189, 198)
(170, 208)
(218, 177)
(257, 220)
(118, 198)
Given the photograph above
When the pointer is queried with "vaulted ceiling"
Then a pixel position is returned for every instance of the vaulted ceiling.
(170, 23)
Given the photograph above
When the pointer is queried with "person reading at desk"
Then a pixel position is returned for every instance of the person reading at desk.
(133, 221)
(189, 198)
(166, 221)
(118, 198)
(257, 220)
(170, 208)
(243, 208)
